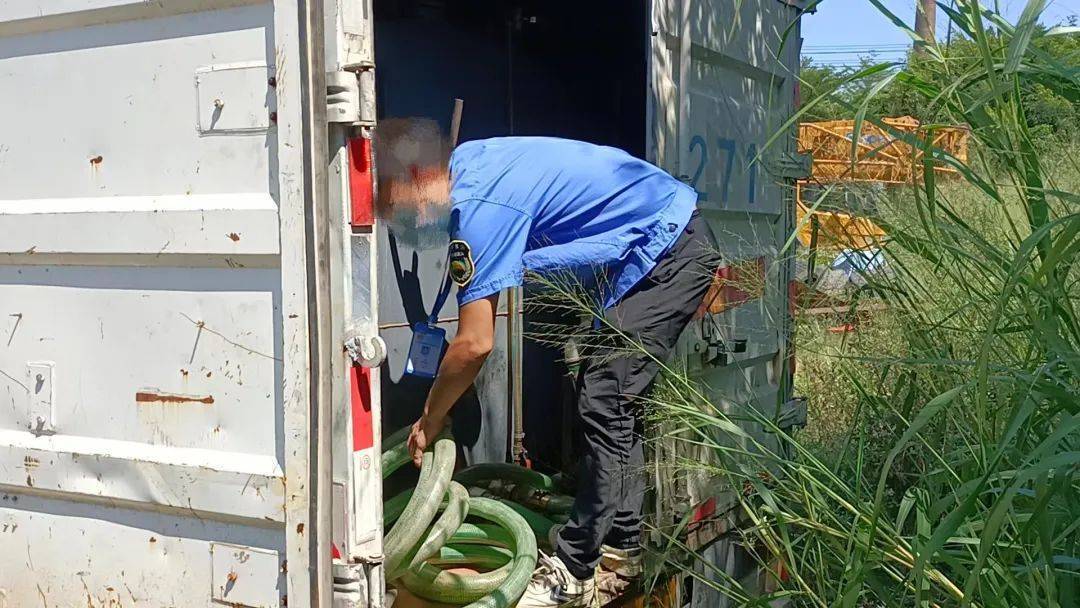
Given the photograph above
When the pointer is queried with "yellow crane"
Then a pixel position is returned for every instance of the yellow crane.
(880, 156)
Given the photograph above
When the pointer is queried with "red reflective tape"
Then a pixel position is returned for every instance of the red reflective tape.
(704, 510)
(361, 191)
(734, 285)
(363, 434)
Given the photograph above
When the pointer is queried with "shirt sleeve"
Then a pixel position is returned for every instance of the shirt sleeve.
(487, 242)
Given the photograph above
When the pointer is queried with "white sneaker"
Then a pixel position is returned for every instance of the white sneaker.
(619, 572)
(553, 586)
(626, 562)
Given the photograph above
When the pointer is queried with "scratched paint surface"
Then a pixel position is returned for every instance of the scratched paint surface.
(142, 440)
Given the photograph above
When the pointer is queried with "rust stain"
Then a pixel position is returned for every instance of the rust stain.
(300, 528)
(96, 160)
(233, 236)
(184, 372)
(155, 397)
(153, 539)
(30, 483)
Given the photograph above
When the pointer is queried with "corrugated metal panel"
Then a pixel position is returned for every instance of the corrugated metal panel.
(718, 95)
(153, 358)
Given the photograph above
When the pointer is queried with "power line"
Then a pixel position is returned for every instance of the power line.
(855, 52)
(857, 46)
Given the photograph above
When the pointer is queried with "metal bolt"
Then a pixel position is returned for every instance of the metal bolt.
(219, 104)
(272, 81)
(273, 116)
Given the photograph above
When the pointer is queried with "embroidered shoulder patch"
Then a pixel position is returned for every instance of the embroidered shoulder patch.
(461, 263)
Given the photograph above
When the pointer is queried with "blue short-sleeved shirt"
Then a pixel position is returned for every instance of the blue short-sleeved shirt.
(543, 204)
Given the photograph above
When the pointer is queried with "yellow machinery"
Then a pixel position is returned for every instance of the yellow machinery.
(879, 157)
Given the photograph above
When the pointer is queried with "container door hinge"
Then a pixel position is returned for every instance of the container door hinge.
(350, 97)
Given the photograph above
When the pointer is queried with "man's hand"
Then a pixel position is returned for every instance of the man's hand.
(423, 434)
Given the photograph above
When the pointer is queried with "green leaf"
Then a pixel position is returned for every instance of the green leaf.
(1062, 30)
(1029, 19)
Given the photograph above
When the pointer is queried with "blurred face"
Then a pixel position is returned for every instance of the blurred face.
(414, 181)
(421, 195)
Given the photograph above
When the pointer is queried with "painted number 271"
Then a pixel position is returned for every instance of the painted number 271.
(730, 149)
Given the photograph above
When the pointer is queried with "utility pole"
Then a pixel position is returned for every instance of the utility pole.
(925, 23)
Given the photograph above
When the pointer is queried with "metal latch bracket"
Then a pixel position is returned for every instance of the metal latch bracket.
(350, 97)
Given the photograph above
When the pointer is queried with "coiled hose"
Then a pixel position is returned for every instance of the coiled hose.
(418, 543)
(530, 488)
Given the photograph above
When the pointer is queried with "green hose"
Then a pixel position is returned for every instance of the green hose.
(494, 589)
(478, 534)
(453, 515)
(418, 543)
(559, 503)
(560, 518)
(393, 508)
(397, 454)
(482, 534)
(539, 524)
(433, 583)
(478, 473)
(468, 533)
(478, 556)
(438, 465)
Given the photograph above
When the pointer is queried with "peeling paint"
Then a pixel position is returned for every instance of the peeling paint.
(159, 397)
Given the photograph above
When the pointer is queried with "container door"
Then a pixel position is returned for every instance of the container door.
(154, 417)
(722, 82)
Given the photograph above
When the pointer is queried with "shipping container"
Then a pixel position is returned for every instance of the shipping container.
(203, 329)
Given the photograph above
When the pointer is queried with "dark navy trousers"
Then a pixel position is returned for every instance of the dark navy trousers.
(611, 490)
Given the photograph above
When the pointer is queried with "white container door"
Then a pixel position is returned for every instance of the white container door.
(153, 334)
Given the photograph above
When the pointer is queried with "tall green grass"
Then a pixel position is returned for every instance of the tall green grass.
(953, 479)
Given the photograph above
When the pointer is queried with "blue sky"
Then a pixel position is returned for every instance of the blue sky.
(843, 30)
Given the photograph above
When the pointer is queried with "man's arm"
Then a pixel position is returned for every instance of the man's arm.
(465, 356)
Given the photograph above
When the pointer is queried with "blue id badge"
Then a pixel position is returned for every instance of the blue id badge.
(425, 352)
